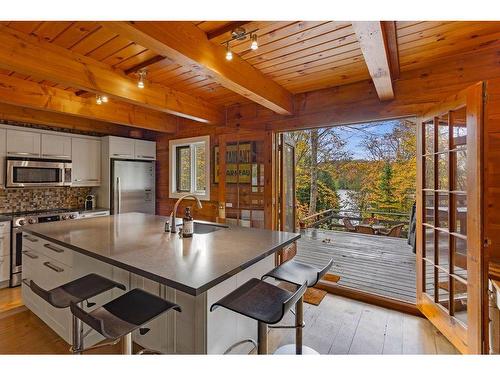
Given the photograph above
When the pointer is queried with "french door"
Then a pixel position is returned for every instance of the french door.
(449, 219)
(287, 206)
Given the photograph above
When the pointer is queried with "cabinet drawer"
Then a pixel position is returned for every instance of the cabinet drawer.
(4, 226)
(4, 268)
(48, 249)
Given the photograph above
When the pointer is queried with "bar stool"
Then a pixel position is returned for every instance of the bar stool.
(263, 302)
(297, 274)
(118, 318)
(76, 291)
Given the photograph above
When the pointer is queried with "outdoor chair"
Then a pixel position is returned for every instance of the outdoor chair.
(364, 229)
(348, 225)
(370, 221)
(394, 231)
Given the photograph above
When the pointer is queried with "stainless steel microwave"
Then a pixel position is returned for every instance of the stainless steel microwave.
(29, 172)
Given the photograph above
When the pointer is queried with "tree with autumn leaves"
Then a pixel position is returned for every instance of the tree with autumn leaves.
(383, 181)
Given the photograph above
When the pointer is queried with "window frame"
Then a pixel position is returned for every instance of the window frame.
(174, 145)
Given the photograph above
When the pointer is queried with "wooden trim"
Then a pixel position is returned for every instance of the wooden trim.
(375, 51)
(188, 45)
(27, 55)
(33, 95)
(372, 299)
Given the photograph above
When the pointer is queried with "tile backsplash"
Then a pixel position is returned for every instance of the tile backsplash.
(13, 200)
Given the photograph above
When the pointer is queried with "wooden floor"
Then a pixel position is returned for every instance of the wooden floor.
(375, 264)
(337, 326)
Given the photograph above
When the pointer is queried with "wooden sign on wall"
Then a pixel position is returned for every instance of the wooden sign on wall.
(238, 163)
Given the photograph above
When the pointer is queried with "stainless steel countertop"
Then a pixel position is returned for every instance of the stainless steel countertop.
(138, 243)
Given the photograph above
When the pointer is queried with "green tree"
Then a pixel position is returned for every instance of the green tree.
(385, 199)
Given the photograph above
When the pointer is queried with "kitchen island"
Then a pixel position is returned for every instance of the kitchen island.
(134, 250)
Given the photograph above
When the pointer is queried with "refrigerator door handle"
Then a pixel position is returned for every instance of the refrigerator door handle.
(119, 195)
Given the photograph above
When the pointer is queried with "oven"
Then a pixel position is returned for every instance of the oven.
(28, 172)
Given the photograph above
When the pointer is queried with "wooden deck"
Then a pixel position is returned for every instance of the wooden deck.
(374, 264)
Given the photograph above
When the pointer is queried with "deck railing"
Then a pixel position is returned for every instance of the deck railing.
(388, 218)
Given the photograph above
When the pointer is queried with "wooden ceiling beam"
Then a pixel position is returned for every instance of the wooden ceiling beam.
(225, 29)
(187, 45)
(391, 39)
(375, 52)
(27, 115)
(25, 54)
(30, 94)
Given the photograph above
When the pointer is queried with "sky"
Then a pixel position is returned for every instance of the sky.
(353, 134)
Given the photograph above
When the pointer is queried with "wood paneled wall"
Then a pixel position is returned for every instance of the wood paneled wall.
(492, 169)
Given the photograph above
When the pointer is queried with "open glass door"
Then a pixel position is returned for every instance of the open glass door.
(449, 218)
(287, 221)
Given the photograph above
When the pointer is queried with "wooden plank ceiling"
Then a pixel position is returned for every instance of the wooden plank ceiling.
(301, 56)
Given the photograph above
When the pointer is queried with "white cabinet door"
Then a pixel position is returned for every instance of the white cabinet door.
(23, 143)
(86, 160)
(121, 148)
(4, 268)
(56, 146)
(3, 154)
(145, 150)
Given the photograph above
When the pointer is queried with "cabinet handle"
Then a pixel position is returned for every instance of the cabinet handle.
(22, 153)
(53, 248)
(53, 267)
(31, 239)
(122, 155)
(87, 179)
(145, 156)
(57, 156)
(29, 255)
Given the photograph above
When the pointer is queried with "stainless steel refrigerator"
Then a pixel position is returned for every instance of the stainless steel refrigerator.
(132, 186)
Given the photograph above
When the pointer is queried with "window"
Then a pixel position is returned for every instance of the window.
(190, 167)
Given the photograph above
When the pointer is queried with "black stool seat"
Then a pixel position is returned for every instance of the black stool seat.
(261, 301)
(76, 291)
(124, 314)
(298, 273)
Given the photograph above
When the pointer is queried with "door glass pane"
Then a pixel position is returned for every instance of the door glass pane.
(460, 301)
(443, 132)
(443, 289)
(459, 128)
(460, 164)
(183, 161)
(429, 137)
(429, 243)
(443, 249)
(429, 172)
(288, 166)
(460, 204)
(443, 208)
(442, 169)
(460, 256)
(428, 269)
(429, 207)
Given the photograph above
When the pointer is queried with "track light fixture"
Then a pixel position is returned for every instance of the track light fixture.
(229, 54)
(99, 99)
(241, 34)
(142, 78)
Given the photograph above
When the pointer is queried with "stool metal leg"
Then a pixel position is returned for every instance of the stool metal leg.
(261, 338)
(299, 320)
(127, 344)
(76, 335)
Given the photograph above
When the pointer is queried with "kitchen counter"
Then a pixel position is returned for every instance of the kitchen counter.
(138, 243)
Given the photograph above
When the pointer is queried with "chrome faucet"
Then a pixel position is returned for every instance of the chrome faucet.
(176, 205)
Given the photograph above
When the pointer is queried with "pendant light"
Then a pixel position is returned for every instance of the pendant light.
(142, 78)
(98, 99)
(229, 54)
(254, 45)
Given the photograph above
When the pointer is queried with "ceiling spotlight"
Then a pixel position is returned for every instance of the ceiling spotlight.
(142, 78)
(229, 54)
(254, 45)
(98, 99)
(104, 98)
